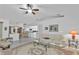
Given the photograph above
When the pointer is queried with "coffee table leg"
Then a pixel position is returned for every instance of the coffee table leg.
(45, 47)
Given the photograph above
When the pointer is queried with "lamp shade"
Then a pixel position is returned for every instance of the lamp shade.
(73, 33)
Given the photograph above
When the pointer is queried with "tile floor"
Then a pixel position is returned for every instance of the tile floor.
(24, 50)
(27, 49)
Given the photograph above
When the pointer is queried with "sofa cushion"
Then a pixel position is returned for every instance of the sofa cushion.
(4, 44)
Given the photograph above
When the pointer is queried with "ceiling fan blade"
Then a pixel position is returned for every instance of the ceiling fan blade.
(26, 12)
(29, 6)
(35, 9)
(33, 13)
(22, 8)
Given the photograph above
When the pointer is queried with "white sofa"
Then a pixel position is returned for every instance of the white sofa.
(4, 44)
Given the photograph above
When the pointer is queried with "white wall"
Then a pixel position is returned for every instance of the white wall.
(5, 24)
(65, 25)
(5, 32)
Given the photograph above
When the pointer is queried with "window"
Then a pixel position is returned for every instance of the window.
(14, 30)
(5, 28)
(53, 28)
(9, 29)
(46, 28)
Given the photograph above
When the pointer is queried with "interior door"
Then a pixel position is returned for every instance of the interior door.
(1, 25)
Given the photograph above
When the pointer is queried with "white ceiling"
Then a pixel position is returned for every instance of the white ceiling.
(15, 15)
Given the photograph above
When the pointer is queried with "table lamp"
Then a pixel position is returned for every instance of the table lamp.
(73, 33)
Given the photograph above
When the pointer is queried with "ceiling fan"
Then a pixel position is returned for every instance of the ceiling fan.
(29, 8)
